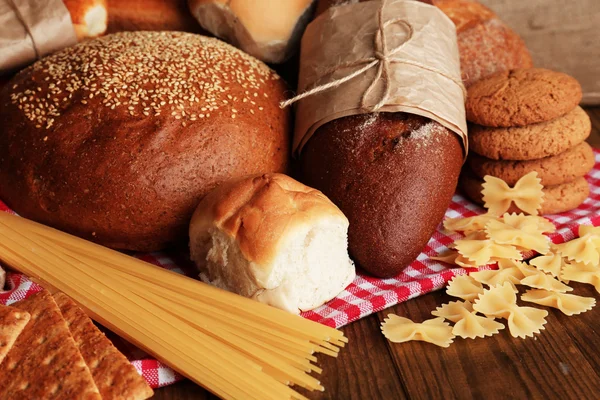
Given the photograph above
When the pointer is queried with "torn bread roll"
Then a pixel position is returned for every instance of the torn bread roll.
(89, 17)
(270, 30)
(272, 239)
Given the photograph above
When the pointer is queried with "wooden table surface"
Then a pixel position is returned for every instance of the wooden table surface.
(563, 362)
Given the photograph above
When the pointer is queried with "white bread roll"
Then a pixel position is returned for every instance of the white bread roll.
(272, 239)
(270, 30)
(89, 17)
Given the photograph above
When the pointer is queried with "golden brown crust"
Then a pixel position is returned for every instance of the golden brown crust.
(89, 17)
(122, 151)
(522, 97)
(557, 198)
(553, 170)
(115, 377)
(150, 15)
(44, 362)
(267, 29)
(533, 141)
(12, 323)
(259, 210)
(393, 175)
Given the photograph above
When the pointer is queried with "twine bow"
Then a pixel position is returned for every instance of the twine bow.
(382, 58)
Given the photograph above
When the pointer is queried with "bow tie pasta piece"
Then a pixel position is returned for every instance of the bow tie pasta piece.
(526, 194)
(583, 273)
(473, 326)
(503, 233)
(501, 302)
(481, 252)
(453, 311)
(399, 330)
(529, 223)
(464, 287)
(454, 258)
(551, 263)
(498, 277)
(469, 224)
(569, 304)
(545, 281)
(585, 249)
(468, 324)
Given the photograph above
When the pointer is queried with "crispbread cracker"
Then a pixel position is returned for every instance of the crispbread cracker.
(44, 362)
(12, 323)
(114, 375)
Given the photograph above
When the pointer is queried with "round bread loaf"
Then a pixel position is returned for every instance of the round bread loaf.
(117, 139)
(486, 44)
(393, 175)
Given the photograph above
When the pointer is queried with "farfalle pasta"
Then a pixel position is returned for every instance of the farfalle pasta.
(551, 263)
(585, 249)
(399, 330)
(482, 252)
(503, 233)
(568, 304)
(545, 281)
(469, 224)
(464, 287)
(527, 194)
(529, 223)
(454, 258)
(583, 273)
(468, 325)
(501, 302)
(498, 277)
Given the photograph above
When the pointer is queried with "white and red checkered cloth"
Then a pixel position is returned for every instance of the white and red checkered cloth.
(365, 295)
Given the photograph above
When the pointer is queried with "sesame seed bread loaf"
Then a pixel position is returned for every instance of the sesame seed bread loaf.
(270, 30)
(273, 239)
(393, 175)
(117, 139)
(486, 45)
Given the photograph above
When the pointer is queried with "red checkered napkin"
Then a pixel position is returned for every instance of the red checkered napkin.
(365, 295)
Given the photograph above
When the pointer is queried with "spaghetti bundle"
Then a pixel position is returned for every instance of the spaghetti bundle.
(233, 346)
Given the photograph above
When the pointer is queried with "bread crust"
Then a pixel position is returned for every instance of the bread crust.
(258, 211)
(111, 171)
(393, 175)
(267, 29)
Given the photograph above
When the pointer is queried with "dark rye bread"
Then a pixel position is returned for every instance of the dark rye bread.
(117, 139)
(486, 44)
(393, 175)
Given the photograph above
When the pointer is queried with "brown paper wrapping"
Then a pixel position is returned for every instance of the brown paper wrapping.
(30, 29)
(345, 34)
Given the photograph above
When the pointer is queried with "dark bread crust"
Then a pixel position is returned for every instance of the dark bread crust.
(133, 181)
(393, 175)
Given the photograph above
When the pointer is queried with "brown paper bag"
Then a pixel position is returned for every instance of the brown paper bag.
(30, 29)
(393, 56)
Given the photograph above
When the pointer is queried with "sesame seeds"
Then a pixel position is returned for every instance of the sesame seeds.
(143, 73)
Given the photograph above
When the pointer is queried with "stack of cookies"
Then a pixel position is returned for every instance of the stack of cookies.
(529, 120)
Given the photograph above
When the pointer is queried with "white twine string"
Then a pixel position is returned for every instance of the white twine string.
(382, 58)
